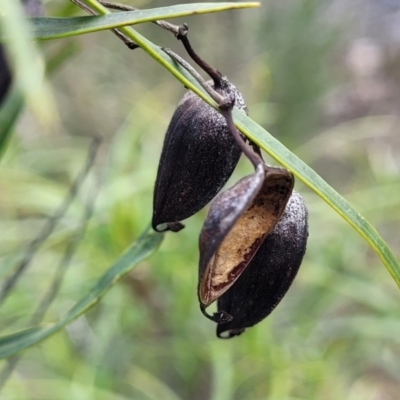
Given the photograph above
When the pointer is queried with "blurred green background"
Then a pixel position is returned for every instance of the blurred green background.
(323, 77)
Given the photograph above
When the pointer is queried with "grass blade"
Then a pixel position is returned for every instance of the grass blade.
(51, 28)
(26, 63)
(309, 177)
(276, 150)
(142, 248)
(8, 115)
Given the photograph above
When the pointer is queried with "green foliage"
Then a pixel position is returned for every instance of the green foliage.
(273, 147)
(334, 335)
(53, 28)
(140, 249)
(8, 115)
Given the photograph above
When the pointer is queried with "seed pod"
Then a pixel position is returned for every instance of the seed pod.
(198, 157)
(32, 8)
(5, 75)
(270, 273)
(237, 223)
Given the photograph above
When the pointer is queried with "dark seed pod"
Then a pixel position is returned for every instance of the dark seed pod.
(32, 8)
(270, 273)
(237, 223)
(5, 75)
(198, 157)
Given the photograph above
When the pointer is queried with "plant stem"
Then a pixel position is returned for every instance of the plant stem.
(280, 153)
(131, 44)
(254, 158)
(123, 7)
(214, 73)
(213, 94)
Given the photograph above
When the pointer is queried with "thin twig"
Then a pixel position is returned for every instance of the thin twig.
(213, 94)
(225, 105)
(181, 33)
(215, 75)
(254, 158)
(128, 42)
(123, 7)
(49, 226)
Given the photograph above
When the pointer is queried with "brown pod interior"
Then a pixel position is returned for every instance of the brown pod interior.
(237, 224)
(270, 273)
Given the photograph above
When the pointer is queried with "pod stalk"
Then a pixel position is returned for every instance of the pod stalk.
(220, 317)
(254, 157)
(214, 74)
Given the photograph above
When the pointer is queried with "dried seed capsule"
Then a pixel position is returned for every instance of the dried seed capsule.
(237, 223)
(198, 157)
(270, 273)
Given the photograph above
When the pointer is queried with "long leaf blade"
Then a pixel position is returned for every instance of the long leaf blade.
(309, 177)
(141, 249)
(9, 113)
(280, 153)
(51, 28)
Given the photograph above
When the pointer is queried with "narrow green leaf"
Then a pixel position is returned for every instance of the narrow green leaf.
(8, 115)
(13, 103)
(51, 28)
(278, 151)
(142, 248)
(26, 62)
(303, 172)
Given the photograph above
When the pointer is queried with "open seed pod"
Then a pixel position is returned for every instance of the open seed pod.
(269, 274)
(237, 223)
(198, 157)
